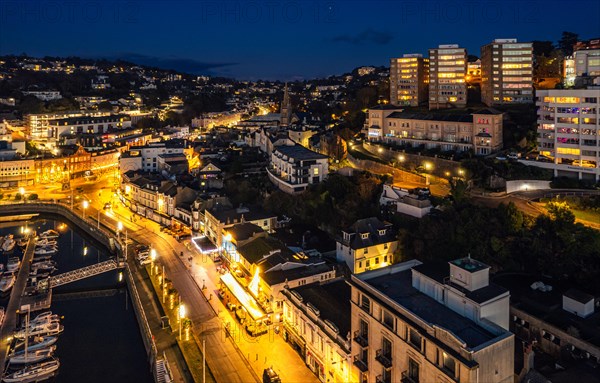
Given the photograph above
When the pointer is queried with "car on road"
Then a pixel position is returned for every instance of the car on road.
(270, 376)
(107, 206)
(513, 156)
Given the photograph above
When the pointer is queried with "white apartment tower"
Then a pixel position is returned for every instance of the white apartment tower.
(506, 72)
(569, 132)
(447, 72)
(409, 80)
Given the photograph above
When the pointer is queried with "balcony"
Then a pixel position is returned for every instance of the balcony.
(361, 339)
(362, 365)
(385, 358)
(383, 379)
(406, 378)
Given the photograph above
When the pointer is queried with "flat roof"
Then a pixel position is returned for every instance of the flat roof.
(299, 152)
(547, 306)
(332, 300)
(469, 264)
(398, 287)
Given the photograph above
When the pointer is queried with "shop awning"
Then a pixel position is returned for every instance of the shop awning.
(243, 297)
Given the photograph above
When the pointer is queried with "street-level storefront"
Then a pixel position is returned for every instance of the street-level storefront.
(247, 310)
(315, 364)
(295, 340)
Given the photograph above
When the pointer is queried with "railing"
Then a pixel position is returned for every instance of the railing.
(84, 272)
(361, 339)
(383, 379)
(143, 321)
(362, 365)
(384, 358)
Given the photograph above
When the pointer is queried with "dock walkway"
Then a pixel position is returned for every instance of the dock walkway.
(14, 303)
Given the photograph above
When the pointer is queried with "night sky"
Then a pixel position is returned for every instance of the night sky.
(278, 39)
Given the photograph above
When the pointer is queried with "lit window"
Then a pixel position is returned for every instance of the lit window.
(316, 171)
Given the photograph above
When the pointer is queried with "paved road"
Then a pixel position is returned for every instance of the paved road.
(224, 360)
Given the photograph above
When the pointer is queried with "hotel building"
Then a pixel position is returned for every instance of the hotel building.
(409, 80)
(569, 133)
(413, 322)
(506, 72)
(447, 72)
(88, 125)
(480, 131)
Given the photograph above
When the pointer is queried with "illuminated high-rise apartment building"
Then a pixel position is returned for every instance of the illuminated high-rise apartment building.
(409, 79)
(447, 72)
(506, 72)
(569, 132)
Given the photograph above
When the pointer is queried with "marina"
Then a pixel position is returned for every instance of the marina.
(40, 349)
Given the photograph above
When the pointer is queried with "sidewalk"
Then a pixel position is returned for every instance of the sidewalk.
(224, 361)
(268, 350)
(210, 317)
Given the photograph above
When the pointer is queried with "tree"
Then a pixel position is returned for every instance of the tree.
(542, 48)
(105, 106)
(567, 41)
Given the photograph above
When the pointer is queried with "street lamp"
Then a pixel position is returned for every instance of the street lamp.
(22, 192)
(152, 258)
(181, 316)
(85, 205)
(119, 229)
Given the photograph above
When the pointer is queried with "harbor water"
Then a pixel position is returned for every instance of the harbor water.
(101, 341)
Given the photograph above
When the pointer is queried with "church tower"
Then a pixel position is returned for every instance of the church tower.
(286, 108)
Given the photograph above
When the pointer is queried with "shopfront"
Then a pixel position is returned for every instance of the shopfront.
(246, 309)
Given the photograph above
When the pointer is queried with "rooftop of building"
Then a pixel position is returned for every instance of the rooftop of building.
(89, 119)
(257, 250)
(469, 264)
(306, 237)
(229, 215)
(440, 272)
(547, 305)
(277, 276)
(372, 226)
(244, 231)
(332, 299)
(398, 287)
(460, 115)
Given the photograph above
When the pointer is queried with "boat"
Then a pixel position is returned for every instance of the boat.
(50, 234)
(46, 242)
(22, 242)
(37, 343)
(52, 328)
(33, 356)
(2, 314)
(43, 265)
(45, 319)
(7, 281)
(9, 243)
(13, 264)
(44, 315)
(41, 258)
(33, 373)
(45, 250)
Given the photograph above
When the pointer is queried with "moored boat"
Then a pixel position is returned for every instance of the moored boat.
(49, 234)
(33, 373)
(45, 250)
(9, 243)
(36, 343)
(46, 242)
(33, 356)
(13, 264)
(7, 281)
(52, 328)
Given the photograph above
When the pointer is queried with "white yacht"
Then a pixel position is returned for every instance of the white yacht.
(45, 250)
(7, 281)
(9, 243)
(52, 328)
(13, 264)
(49, 234)
(46, 242)
(34, 373)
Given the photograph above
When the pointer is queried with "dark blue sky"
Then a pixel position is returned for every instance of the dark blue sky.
(278, 39)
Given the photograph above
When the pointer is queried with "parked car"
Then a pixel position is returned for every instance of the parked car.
(513, 156)
(270, 376)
